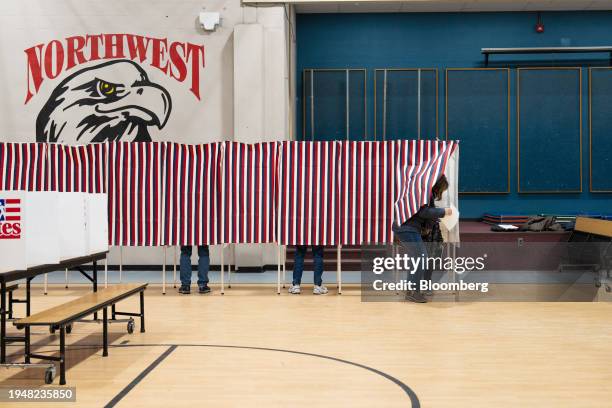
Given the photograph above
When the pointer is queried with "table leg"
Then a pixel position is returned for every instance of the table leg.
(62, 355)
(142, 317)
(3, 323)
(105, 331)
(95, 282)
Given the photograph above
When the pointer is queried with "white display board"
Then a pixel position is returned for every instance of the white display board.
(74, 235)
(97, 223)
(41, 228)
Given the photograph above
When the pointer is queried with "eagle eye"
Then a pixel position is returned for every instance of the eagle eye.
(106, 88)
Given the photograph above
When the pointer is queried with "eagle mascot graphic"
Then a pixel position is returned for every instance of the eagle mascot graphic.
(107, 102)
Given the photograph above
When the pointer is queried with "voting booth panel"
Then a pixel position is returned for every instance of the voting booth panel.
(77, 168)
(135, 193)
(191, 195)
(307, 193)
(97, 223)
(23, 166)
(247, 203)
(29, 229)
(73, 234)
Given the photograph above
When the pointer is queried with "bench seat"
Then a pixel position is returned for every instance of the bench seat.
(62, 317)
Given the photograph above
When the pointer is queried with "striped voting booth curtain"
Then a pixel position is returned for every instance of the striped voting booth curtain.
(77, 168)
(367, 189)
(135, 192)
(307, 194)
(191, 191)
(247, 201)
(23, 166)
(425, 162)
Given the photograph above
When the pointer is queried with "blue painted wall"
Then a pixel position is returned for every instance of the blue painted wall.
(454, 40)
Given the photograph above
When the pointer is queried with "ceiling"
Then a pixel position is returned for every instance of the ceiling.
(373, 6)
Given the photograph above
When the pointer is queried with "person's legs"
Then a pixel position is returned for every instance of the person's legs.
(317, 255)
(298, 264)
(203, 265)
(413, 246)
(185, 265)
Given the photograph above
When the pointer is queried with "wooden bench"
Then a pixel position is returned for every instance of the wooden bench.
(64, 315)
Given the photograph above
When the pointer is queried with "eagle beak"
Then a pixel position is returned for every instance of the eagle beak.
(150, 102)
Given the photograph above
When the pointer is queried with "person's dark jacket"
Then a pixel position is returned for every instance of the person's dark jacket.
(416, 222)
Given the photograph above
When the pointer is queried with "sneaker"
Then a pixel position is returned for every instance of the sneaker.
(184, 290)
(319, 290)
(428, 293)
(203, 289)
(295, 289)
(416, 297)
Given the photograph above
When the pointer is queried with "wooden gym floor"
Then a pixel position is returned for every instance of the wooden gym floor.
(253, 348)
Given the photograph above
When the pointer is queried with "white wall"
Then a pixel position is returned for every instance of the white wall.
(246, 84)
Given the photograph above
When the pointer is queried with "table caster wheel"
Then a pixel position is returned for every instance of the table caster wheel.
(69, 328)
(52, 329)
(49, 375)
(130, 326)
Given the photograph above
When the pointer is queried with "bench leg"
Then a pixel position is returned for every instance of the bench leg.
(105, 332)
(113, 312)
(142, 316)
(10, 304)
(62, 355)
(27, 345)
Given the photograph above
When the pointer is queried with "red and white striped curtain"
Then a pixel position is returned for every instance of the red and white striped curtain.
(419, 171)
(191, 191)
(293, 193)
(77, 168)
(307, 194)
(367, 191)
(134, 174)
(23, 166)
(248, 186)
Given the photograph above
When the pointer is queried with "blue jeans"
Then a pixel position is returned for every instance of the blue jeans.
(298, 265)
(415, 247)
(203, 265)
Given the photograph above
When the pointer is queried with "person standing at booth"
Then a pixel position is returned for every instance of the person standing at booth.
(203, 267)
(410, 233)
(298, 269)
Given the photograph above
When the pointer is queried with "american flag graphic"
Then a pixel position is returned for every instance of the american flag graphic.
(292, 193)
(191, 190)
(10, 212)
(248, 185)
(23, 166)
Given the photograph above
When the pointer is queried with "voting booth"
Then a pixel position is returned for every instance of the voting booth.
(39, 228)
(28, 229)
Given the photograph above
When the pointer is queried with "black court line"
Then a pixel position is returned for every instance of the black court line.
(139, 378)
(414, 400)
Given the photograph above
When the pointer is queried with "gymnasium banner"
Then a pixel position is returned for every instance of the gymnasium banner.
(135, 174)
(191, 194)
(77, 168)
(23, 166)
(249, 176)
(83, 72)
(307, 195)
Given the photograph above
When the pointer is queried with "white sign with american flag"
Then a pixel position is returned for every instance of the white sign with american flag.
(10, 218)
